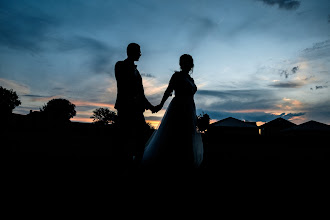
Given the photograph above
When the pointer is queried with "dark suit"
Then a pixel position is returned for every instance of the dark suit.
(130, 104)
(130, 92)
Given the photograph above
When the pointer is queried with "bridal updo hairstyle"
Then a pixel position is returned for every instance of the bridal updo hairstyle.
(186, 63)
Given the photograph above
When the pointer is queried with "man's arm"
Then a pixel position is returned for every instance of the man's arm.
(147, 104)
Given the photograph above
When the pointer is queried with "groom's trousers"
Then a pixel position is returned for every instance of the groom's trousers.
(133, 129)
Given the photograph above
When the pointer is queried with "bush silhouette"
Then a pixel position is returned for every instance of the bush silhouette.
(104, 116)
(59, 110)
(203, 122)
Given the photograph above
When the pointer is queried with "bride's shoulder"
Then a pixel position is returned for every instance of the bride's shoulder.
(176, 74)
(179, 76)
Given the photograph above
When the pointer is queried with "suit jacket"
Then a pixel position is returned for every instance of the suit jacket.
(130, 92)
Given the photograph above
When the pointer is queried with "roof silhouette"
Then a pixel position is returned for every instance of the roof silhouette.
(310, 126)
(233, 122)
(278, 122)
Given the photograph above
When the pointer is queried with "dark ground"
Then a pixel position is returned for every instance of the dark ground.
(86, 158)
(93, 157)
(103, 142)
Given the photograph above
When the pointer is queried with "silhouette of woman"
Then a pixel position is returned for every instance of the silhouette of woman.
(177, 144)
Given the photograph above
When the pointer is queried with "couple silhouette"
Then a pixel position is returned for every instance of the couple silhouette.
(176, 144)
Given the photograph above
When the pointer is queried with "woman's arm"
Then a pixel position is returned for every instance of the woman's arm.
(165, 97)
(167, 93)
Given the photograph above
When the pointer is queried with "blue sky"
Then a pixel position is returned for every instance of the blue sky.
(254, 59)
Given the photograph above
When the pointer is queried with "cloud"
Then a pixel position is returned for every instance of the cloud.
(236, 100)
(287, 73)
(317, 46)
(283, 4)
(295, 69)
(148, 75)
(320, 87)
(248, 93)
(319, 111)
(289, 85)
(24, 28)
(41, 98)
(252, 116)
(252, 105)
(319, 50)
(27, 28)
(199, 27)
(101, 54)
(20, 88)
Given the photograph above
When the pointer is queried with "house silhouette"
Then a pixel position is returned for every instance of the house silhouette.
(233, 127)
(310, 128)
(274, 127)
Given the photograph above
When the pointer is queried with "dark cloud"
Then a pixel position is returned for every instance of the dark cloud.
(148, 75)
(283, 4)
(287, 85)
(329, 18)
(252, 105)
(287, 73)
(291, 115)
(101, 55)
(153, 118)
(320, 87)
(29, 29)
(295, 69)
(318, 46)
(319, 50)
(319, 111)
(199, 28)
(24, 28)
(249, 93)
(232, 100)
(35, 96)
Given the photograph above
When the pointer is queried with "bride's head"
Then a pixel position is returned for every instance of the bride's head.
(186, 63)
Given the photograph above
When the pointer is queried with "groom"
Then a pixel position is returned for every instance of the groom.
(130, 104)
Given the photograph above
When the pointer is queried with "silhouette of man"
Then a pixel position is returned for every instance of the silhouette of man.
(130, 104)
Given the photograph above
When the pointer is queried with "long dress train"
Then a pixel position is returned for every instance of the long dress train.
(176, 143)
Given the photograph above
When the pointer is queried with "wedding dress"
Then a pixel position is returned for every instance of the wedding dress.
(176, 143)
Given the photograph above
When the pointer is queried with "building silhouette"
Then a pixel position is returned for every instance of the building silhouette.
(233, 127)
(310, 128)
(274, 127)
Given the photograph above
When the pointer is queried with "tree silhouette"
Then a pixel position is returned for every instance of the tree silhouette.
(104, 116)
(59, 110)
(8, 101)
(203, 121)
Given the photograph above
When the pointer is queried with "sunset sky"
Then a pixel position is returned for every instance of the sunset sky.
(255, 60)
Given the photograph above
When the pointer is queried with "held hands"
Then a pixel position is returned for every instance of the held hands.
(156, 108)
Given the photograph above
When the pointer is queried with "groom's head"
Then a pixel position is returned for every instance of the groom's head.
(133, 51)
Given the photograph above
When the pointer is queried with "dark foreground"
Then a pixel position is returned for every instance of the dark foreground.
(95, 155)
(104, 142)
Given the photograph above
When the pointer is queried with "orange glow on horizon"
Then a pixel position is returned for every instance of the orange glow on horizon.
(153, 123)
(298, 119)
(213, 121)
(80, 119)
(96, 104)
(259, 123)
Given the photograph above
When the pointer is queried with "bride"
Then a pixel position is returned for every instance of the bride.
(177, 144)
